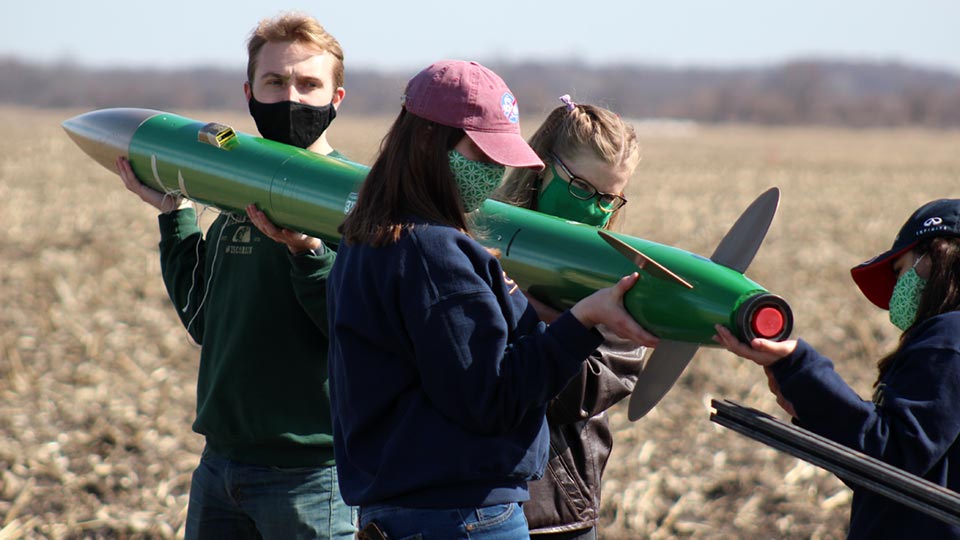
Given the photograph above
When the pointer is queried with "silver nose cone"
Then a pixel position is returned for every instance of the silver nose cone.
(106, 134)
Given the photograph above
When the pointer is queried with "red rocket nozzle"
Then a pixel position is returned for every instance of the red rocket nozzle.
(767, 322)
(765, 316)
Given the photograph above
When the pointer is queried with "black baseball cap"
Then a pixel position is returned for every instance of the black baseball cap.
(876, 277)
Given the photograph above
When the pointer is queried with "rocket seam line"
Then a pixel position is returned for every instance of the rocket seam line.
(156, 173)
(510, 243)
(183, 188)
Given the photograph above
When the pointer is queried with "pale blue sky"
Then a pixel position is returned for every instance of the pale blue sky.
(409, 34)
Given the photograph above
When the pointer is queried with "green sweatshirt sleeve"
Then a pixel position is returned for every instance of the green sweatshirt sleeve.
(308, 274)
(183, 267)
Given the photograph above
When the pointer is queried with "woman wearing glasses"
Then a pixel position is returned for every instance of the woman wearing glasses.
(590, 155)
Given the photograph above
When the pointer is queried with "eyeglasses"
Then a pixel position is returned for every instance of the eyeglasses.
(584, 190)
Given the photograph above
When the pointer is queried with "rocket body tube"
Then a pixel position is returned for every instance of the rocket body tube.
(563, 261)
(556, 260)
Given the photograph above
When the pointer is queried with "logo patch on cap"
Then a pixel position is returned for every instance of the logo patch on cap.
(508, 104)
(932, 221)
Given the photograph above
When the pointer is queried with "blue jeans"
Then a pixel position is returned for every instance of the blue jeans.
(237, 501)
(497, 522)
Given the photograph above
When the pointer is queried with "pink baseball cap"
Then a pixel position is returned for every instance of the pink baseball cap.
(469, 96)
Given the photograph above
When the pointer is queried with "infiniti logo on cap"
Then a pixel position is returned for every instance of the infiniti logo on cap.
(932, 221)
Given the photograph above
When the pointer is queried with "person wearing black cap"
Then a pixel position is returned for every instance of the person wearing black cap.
(913, 420)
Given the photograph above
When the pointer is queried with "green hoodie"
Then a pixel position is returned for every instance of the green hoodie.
(259, 314)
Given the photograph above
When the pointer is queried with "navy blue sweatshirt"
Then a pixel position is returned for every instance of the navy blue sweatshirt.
(912, 423)
(440, 373)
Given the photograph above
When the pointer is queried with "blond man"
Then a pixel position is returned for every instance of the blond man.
(257, 308)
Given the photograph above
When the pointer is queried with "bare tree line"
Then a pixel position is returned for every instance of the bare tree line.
(804, 92)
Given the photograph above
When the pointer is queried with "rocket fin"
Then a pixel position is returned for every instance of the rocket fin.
(742, 241)
(735, 251)
(659, 374)
(642, 261)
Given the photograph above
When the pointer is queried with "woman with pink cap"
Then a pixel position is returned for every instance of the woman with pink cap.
(913, 420)
(440, 371)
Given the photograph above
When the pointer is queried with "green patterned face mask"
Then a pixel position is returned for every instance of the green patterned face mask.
(906, 297)
(476, 180)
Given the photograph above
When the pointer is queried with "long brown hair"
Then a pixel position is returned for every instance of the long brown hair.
(568, 132)
(940, 295)
(410, 177)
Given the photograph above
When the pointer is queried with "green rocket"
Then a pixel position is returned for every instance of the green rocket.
(679, 298)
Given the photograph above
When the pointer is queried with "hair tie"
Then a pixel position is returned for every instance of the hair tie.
(568, 102)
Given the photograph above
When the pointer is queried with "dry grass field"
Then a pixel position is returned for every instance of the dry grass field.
(97, 377)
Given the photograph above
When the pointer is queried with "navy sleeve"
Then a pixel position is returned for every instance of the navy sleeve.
(477, 366)
(916, 416)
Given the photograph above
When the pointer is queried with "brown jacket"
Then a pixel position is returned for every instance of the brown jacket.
(567, 498)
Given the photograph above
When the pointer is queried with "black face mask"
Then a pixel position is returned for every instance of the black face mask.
(291, 123)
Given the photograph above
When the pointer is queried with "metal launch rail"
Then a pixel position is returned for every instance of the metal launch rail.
(848, 464)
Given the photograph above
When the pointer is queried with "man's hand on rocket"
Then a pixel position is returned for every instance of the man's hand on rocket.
(296, 242)
(164, 202)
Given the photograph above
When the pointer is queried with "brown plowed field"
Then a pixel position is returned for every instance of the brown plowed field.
(97, 377)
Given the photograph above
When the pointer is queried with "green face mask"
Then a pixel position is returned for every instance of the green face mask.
(476, 180)
(906, 298)
(556, 200)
